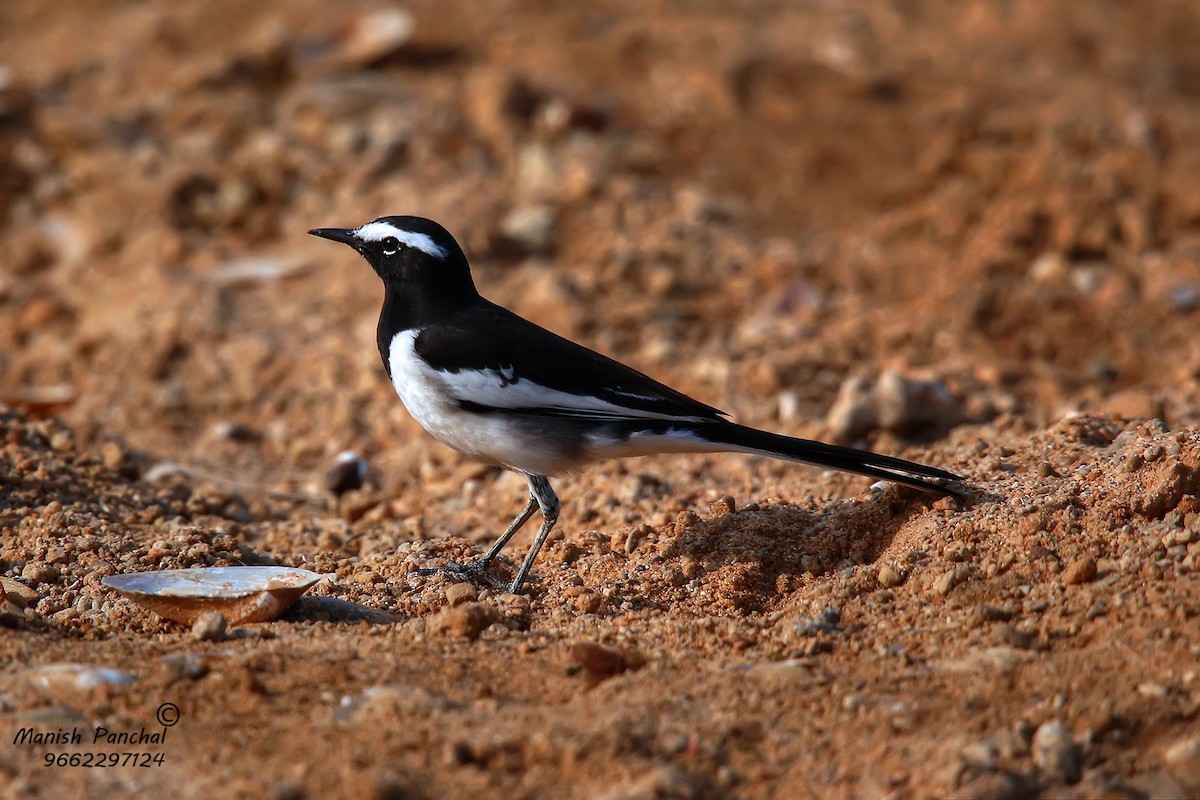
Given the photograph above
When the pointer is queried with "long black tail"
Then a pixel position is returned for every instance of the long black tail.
(751, 440)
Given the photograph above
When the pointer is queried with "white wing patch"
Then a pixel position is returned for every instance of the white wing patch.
(498, 389)
(378, 231)
(645, 443)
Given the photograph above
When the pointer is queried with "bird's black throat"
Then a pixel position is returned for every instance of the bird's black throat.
(405, 308)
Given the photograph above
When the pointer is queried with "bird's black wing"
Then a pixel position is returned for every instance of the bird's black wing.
(492, 359)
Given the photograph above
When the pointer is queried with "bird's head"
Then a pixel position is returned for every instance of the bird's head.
(408, 253)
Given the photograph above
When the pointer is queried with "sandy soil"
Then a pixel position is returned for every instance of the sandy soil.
(968, 234)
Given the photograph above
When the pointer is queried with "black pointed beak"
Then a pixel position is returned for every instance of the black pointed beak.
(337, 235)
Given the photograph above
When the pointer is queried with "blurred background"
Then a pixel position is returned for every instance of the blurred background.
(855, 220)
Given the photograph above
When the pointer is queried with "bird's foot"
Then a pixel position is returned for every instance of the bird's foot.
(474, 572)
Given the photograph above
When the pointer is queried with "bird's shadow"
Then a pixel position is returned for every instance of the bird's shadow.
(768, 546)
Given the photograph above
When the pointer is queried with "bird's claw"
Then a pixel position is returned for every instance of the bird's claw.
(473, 572)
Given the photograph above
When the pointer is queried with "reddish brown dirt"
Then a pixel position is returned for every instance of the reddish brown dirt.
(753, 201)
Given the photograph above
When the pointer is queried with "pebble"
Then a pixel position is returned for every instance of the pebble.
(601, 661)
(1001, 659)
(1081, 570)
(210, 627)
(569, 553)
(1049, 268)
(464, 621)
(636, 537)
(889, 577)
(826, 622)
(18, 593)
(392, 700)
(1154, 691)
(980, 755)
(185, 665)
(894, 403)
(589, 602)
(62, 441)
(723, 505)
(908, 404)
(459, 593)
(57, 678)
(232, 431)
(374, 35)
(686, 521)
(1182, 761)
(853, 412)
(528, 230)
(39, 572)
(1055, 755)
(348, 472)
(946, 583)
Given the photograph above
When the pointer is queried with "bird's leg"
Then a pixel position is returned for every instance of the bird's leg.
(482, 563)
(478, 567)
(548, 502)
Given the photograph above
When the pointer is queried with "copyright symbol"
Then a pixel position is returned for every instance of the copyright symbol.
(167, 714)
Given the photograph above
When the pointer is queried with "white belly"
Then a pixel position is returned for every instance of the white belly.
(483, 437)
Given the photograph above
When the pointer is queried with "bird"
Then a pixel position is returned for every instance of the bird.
(505, 391)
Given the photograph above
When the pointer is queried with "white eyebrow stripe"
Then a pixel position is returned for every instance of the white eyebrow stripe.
(377, 231)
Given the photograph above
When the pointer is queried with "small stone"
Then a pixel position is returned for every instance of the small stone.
(827, 621)
(210, 627)
(527, 230)
(1049, 268)
(569, 553)
(1155, 691)
(946, 583)
(233, 431)
(375, 35)
(465, 621)
(57, 679)
(1134, 403)
(112, 455)
(387, 702)
(889, 577)
(635, 538)
(1055, 755)
(39, 572)
(998, 659)
(602, 661)
(348, 472)
(685, 521)
(853, 412)
(1184, 297)
(459, 593)
(1182, 761)
(723, 505)
(981, 755)
(589, 602)
(905, 404)
(1081, 570)
(353, 505)
(185, 665)
(18, 593)
(990, 613)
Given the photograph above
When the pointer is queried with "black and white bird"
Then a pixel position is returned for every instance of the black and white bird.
(502, 390)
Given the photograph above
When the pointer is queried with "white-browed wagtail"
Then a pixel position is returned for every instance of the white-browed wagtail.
(502, 390)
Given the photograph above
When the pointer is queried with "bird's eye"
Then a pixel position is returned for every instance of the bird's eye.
(391, 245)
